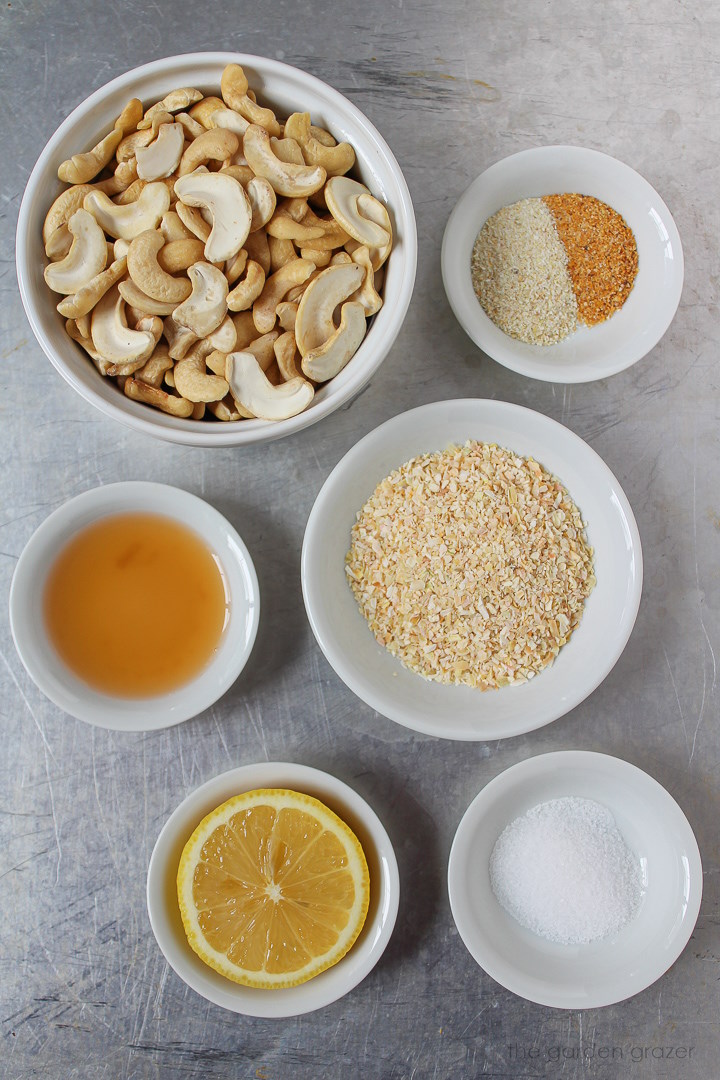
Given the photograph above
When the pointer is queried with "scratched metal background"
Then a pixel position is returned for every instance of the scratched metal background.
(84, 990)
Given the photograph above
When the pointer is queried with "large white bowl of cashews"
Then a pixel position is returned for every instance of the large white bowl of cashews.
(117, 322)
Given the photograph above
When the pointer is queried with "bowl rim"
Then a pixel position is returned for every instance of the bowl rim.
(135, 714)
(514, 777)
(333, 653)
(195, 433)
(329, 985)
(542, 367)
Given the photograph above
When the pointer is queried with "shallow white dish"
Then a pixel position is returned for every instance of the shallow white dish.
(461, 712)
(49, 672)
(329, 985)
(286, 89)
(591, 352)
(586, 976)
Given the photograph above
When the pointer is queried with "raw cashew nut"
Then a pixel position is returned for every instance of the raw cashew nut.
(335, 160)
(124, 175)
(319, 258)
(242, 173)
(287, 313)
(85, 299)
(285, 348)
(172, 228)
(229, 205)
(258, 250)
(151, 395)
(194, 383)
(175, 101)
(223, 339)
(314, 323)
(332, 234)
(233, 85)
(85, 259)
(234, 89)
(233, 121)
(373, 210)
(225, 410)
(180, 254)
(330, 358)
(59, 244)
(153, 370)
(293, 273)
(193, 221)
(191, 127)
(206, 307)
(63, 209)
(342, 196)
(127, 149)
(145, 270)
(295, 294)
(150, 324)
(130, 194)
(281, 252)
(366, 294)
(284, 227)
(244, 295)
(202, 112)
(73, 331)
(245, 330)
(262, 200)
(215, 145)
(263, 349)
(252, 390)
(286, 178)
(179, 338)
(83, 167)
(136, 298)
(235, 268)
(111, 335)
(127, 222)
(288, 150)
(161, 158)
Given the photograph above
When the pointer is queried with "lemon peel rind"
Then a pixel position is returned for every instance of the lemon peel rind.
(278, 799)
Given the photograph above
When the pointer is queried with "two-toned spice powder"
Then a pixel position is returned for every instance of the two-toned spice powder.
(542, 265)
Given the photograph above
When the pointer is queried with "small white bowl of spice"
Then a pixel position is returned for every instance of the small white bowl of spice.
(563, 264)
(575, 879)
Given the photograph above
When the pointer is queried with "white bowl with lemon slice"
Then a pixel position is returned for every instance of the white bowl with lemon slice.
(217, 957)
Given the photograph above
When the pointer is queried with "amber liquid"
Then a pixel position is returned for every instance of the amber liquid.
(135, 605)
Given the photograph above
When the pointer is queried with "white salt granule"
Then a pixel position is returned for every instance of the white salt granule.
(564, 871)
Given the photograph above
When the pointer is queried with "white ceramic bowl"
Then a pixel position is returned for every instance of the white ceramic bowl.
(286, 89)
(461, 712)
(56, 680)
(330, 984)
(589, 353)
(603, 972)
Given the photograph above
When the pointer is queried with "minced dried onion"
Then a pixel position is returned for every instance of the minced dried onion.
(471, 565)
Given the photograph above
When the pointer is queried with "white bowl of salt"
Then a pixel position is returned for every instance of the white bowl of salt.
(575, 879)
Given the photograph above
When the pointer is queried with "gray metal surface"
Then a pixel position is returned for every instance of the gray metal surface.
(84, 990)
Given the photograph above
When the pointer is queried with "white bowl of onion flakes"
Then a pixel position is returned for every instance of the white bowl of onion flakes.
(285, 90)
(418, 698)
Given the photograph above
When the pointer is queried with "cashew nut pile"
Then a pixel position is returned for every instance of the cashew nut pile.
(220, 260)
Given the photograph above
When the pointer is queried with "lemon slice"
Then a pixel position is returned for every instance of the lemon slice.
(273, 888)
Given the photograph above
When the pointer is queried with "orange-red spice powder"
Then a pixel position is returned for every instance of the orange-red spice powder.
(601, 250)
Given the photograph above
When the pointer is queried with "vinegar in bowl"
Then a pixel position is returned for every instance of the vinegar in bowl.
(135, 605)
